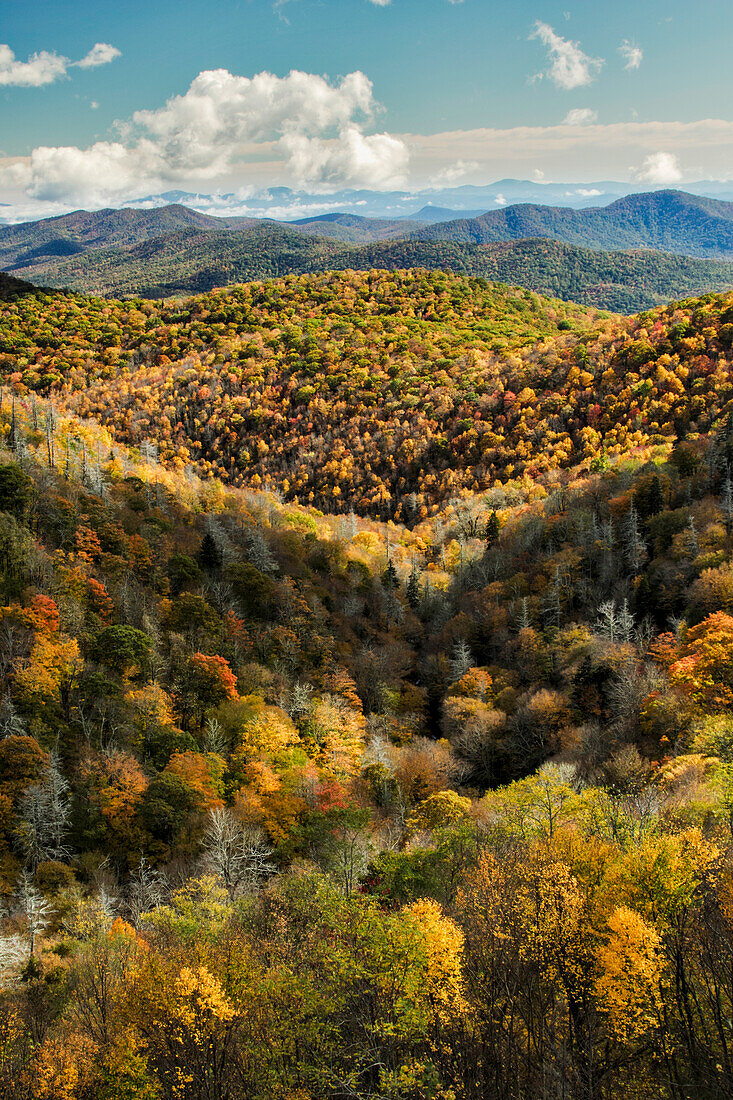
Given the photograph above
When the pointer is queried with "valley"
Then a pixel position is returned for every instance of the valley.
(364, 634)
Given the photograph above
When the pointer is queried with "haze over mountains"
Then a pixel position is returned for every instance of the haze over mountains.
(637, 251)
(435, 203)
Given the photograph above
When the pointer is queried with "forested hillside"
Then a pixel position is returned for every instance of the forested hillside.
(271, 813)
(355, 229)
(176, 251)
(194, 262)
(31, 245)
(348, 391)
(672, 221)
(387, 394)
(303, 804)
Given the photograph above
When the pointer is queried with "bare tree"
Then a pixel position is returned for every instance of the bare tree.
(626, 622)
(235, 853)
(146, 890)
(11, 724)
(607, 622)
(461, 660)
(258, 552)
(44, 817)
(36, 910)
(214, 736)
(634, 547)
(13, 952)
(297, 701)
(727, 497)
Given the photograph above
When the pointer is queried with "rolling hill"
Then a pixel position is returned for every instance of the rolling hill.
(32, 244)
(638, 252)
(385, 393)
(191, 261)
(671, 221)
(355, 229)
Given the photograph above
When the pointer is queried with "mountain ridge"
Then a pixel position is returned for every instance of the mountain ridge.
(670, 221)
(191, 261)
(635, 253)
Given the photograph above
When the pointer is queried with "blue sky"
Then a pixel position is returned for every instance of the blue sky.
(458, 92)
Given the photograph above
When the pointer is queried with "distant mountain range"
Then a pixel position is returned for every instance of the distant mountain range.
(353, 228)
(636, 252)
(460, 201)
(672, 221)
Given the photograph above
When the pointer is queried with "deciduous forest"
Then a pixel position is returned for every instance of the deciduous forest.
(366, 695)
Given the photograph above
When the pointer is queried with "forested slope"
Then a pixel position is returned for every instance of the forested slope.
(30, 245)
(271, 813)
(673, 221)
(194, 261)
(381, 393)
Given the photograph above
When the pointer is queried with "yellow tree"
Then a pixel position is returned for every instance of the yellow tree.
(630, 963)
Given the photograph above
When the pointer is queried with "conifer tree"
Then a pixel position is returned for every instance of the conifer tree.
(413, 589)
(390, 580)
(492, 530)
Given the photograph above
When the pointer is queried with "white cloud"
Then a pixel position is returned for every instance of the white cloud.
(579, 116)
(577, 154)
(454, 172)
(659, 168)
(377, 161)
(40, 68)
(110, 173)
(46, 67)
(633, 55)
(500, 200)
(568, 67)
(216, 130)
(101, 53)
(103, 172)
(588, 192)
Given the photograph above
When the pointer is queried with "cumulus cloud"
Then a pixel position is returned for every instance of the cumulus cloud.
(101, 53)
(579, 116)
(378, 160)
(633, 55)
(216, 128)
(568, 67)
(68, 174)
(659, 168)
(47, 66)
(380, 3)
(40, 68)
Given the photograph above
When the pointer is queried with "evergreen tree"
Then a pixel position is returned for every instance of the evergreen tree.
(209, 556)
(413, 589)
(491, 532)
(390, 580)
